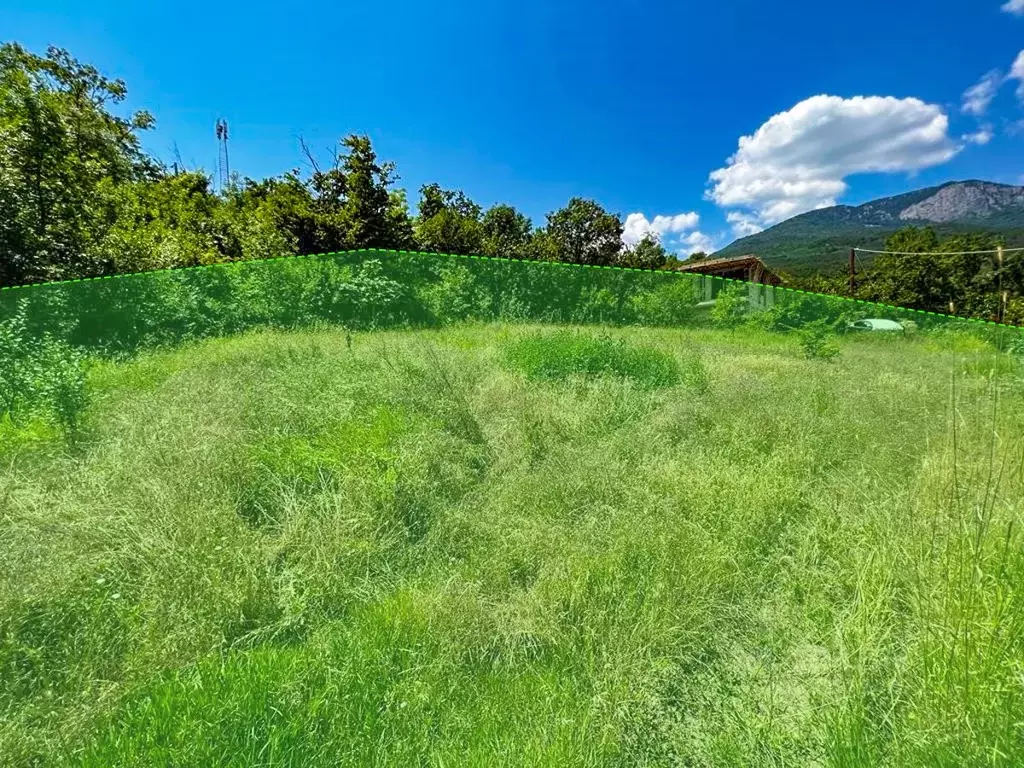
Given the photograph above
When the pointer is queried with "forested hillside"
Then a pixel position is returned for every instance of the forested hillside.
(818, 242)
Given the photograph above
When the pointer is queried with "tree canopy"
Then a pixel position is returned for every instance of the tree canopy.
(79, 197)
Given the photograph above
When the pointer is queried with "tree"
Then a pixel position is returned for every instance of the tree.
(286, 201)
(167, 222)
(544, 247)
(432, 201)
(63, 151)
(400, 228)
(649, 253)
(367, 212)
(584, 233)
(506, 233)
(353, 205)
(448, 222)
(906, 276)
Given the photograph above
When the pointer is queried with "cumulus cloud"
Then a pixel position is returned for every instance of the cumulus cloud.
(636, 226)
(977, 98)
(799, 159)
(698, 241)
(1014, 6)
(743, 224)
(982, 136)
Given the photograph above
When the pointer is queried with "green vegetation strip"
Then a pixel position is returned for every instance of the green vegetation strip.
(825, 298)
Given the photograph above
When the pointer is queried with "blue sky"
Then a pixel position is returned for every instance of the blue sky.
(532, 102)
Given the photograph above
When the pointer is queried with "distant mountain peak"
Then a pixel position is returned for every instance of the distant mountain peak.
(966, 200)
(816, 240)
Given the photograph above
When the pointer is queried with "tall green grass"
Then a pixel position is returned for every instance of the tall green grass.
(562, 355)
(496, 545)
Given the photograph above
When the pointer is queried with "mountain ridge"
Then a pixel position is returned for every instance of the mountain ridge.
(819, 241)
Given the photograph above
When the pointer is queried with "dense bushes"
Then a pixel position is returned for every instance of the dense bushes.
(39, 376)
(798, 310)
(46, 330)
(817, 341)
(671, 303)
(731, 306)
(359, 290)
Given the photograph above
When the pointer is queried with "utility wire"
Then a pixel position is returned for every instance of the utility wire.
(936, 253)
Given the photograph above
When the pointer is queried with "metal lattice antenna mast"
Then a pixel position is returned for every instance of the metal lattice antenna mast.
(223, 168)
(227, 165)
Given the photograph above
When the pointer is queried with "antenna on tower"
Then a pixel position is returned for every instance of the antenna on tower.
(223, 167)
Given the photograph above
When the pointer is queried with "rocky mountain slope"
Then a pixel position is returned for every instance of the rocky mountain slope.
(820, 240)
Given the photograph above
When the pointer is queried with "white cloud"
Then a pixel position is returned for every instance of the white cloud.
(743, 224)
(981, 137)
(637, 226)
(798, 160)
(698, 241)
(977, 98)
(1017, 73)
(1014, 6)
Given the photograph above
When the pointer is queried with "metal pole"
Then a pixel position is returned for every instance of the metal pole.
(999, 284)
(853, 257)
(227, 163)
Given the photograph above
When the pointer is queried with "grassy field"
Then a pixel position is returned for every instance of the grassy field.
(504, 545)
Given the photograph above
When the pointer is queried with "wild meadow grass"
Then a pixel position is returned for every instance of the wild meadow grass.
(513, 545)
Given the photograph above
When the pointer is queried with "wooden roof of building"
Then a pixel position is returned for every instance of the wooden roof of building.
(753, 268)
(725, 264)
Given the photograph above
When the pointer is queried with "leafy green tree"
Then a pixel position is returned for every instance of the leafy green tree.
(160, 224)
(400, 227)
(907, 276)
(368, 210)
(969, 277)
(649, 253)
(924, 273)
(288, 203)
(352, 202)
(60, 145)
(584, 233)
(544, 247)
(448, 222)
(433, 200)
(506, 233)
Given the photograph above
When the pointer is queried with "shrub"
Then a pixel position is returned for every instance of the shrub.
(360, 298)
(795, 311)
(455, 296)
(731, 305)
(39, 376)
(817, 343)
(671, 303)
(597, 305)
(563, 355)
